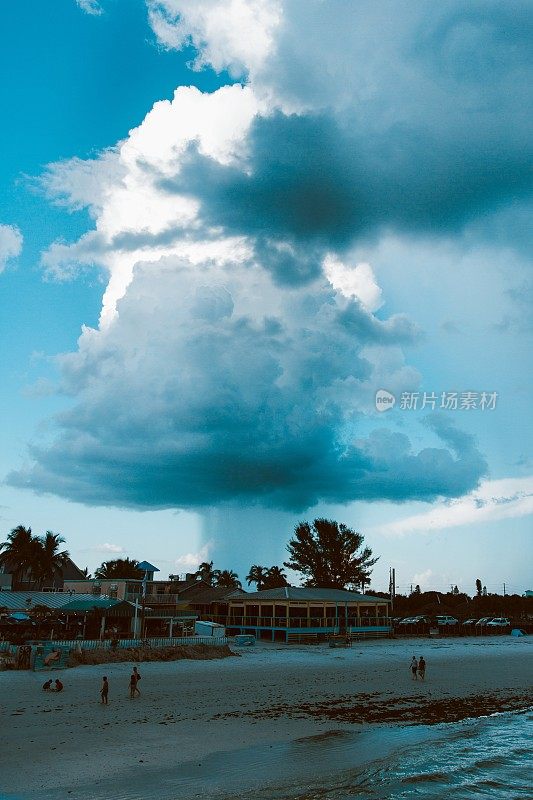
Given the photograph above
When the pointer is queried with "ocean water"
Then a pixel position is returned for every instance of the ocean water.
(485, 757)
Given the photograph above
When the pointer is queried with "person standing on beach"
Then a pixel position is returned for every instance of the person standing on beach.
(133, 684)
(422, 667)
(137, 679)
(414, 667)
(104, 690)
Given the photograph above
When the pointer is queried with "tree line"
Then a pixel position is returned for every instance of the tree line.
(34, 560)
(327, 554)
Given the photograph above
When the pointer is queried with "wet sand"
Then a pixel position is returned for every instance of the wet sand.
(194, 717)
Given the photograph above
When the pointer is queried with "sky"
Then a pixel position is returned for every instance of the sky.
(263, 261)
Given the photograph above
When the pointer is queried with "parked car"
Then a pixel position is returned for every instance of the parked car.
(406, 621)
(499, 622)
(483, 620)
(444, 620)
(470, 621)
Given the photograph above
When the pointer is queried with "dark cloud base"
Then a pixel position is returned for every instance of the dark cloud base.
(292, 474)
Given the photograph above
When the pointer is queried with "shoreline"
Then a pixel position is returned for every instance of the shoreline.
(216, 712)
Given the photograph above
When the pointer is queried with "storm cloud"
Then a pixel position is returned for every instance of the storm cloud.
(310, 178)
(231, 365)
(210, 389)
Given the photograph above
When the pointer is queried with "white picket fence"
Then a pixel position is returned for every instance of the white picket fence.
(96, 644)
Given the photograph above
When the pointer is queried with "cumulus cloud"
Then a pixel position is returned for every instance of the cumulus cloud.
(214, 385)
(358, 282)
(382, 116)
(10, 244)
(191, 561)
(239, 346)
(237, 35)
(134, 219)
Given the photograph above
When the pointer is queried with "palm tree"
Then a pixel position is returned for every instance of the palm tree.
(228, 579)
(49, 561)
(119, 568)
(19, 554)
(275, 578)
(257, 575)
(86, 573)
(206, 572)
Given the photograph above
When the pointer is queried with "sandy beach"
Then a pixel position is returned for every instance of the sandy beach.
(210, 723)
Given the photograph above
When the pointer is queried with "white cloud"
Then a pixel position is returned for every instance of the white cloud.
(108, 547)
(358, 281)
(237, 35)
(493, 500)
(189, 562)
(10, 244)
(91, 7)
(135, 217)
(423, 579)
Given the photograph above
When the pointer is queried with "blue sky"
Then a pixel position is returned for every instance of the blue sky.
(203, 289)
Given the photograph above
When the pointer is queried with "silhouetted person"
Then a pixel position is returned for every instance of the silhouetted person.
(414, 667)
(422, 667)
(104, 690)
(137, 679)
(47, 685)
(133, 685)
(59, 686)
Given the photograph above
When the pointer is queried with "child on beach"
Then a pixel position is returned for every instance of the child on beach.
(104, 690)
(47, 686)
(414, 667)
(422, 667)
(58, 686)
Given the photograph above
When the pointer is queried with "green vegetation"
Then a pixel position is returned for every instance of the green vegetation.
(329, 555)
(119, 568)
(34, 561)
(266, 577)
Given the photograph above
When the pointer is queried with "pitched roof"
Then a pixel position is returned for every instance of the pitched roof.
(208, 594)
(305, 593)
(70, 571)
(145, 566)
(18, 601)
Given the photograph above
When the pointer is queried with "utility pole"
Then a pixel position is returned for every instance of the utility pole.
(504, 588)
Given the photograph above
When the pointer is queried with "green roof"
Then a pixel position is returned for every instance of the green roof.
(90, 605)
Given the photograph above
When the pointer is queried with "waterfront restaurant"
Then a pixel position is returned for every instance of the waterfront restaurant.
(293, 613)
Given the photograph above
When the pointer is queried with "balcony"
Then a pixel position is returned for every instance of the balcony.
(156, 599)
(327, 623)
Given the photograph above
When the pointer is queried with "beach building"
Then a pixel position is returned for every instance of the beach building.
(82, 615)
(160, 608)
(294, 613)
(67, 572)
(289, 613)
(68, 617)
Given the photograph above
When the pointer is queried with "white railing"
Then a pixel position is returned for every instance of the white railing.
(106, 644)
